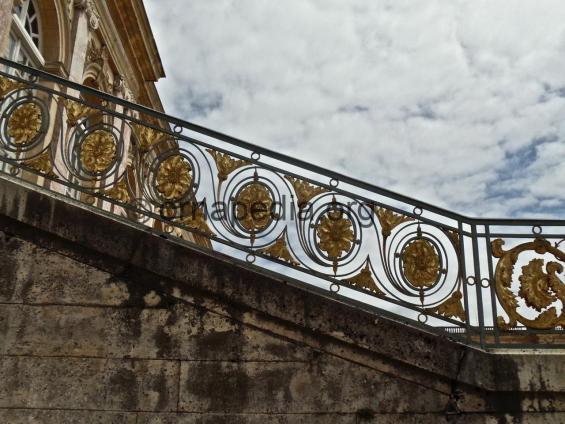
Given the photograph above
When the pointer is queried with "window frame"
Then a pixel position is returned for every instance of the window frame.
(23, 43)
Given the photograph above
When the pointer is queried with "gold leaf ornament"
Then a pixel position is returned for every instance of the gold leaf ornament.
(536, 285)
(304, 190)
(451, 308)
(98, 151)
(421, 263)
(539, 288)
(24, 123)
(365, 280)
(173, 177)
(279, 249)
(76, 111)
(194, 217)
(389, 220)
(7, 85)
(226, 164)
(41, 163)
(119, 191)
(147, 136)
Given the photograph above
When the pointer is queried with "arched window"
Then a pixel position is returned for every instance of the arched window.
(25, 35)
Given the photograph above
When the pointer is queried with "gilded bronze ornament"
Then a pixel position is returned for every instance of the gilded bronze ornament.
(194, 217)
(364, 280)
(389, 220)
(77, 111)
(8, 85)
(279, 249)
(98, 151)
(41, 163)
(539, 288)
(147, 136)
(173, 177)
(451, 308)
(304, 190)
(454, 238)
(421, 263)
(336, 234)
(119, 192)
(24, 123)
(254, 207)
(226, 164)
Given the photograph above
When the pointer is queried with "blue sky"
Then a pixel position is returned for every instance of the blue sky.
(457, 103)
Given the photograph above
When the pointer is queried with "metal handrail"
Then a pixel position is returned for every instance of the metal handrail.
(279, 214)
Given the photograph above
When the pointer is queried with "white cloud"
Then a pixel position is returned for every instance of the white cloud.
(458, 103)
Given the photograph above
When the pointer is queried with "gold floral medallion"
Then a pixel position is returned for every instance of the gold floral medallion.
(253, 207)
(98, 151)
(335, 233)
(421, 263)
(24, 123)
(173, 177)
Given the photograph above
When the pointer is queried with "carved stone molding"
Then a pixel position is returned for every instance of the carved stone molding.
(121, 88)
(88, 7)
(96, 54)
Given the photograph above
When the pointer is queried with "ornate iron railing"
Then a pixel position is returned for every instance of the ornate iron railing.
(492, 282)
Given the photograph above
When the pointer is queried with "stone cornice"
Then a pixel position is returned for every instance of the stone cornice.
(133, 24)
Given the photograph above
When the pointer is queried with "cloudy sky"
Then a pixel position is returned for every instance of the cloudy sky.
(457, 103)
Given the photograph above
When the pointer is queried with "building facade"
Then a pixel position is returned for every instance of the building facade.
(107, 45)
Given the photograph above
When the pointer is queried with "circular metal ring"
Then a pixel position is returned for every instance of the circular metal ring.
(168, 229)
(417, 211)
(33, 78)
(334, 183)
(14, 171)
(255, 156)
(422, 318)
(471, 280)
(537, 230)
(177, 129)
(334, 288)
(485, 283)
(250, 258)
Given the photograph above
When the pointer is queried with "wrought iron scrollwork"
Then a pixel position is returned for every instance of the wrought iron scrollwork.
(540, 285)
(390, 251)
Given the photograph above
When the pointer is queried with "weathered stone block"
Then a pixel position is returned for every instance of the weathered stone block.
(98, 384)
(318, 418)
(31, 274)
(179, 332)
(42, 416)
(324, 385)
